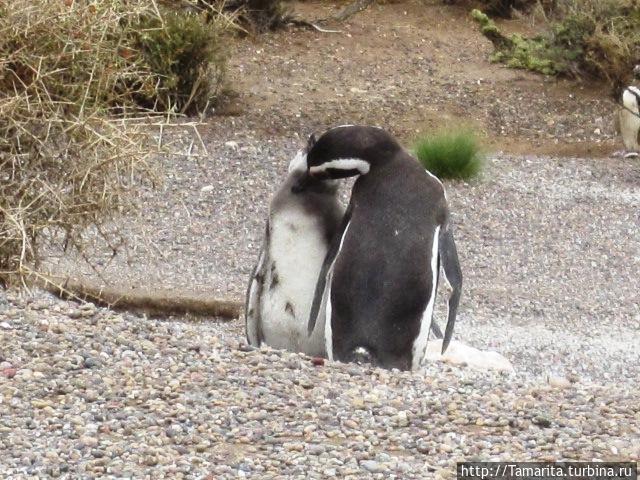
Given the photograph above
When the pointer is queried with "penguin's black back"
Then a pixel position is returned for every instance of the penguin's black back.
(383, 278)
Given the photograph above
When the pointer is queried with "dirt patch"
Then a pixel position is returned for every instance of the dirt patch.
(412, 67)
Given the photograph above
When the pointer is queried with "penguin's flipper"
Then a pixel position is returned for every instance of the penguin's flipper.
(254, 294)
(329, 259)
(453, 275)
(435, 329)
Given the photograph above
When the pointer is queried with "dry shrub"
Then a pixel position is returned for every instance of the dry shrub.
(186, 51)
(602, 35)
(73, 138)
(597, 39)
(502, 8)
(257, 16)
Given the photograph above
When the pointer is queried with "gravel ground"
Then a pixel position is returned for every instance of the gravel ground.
(549, 250)
(550, 253)
(86, 393)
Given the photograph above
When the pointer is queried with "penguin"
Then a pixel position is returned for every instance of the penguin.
(379, 278)
(299, 229)
(630, 118)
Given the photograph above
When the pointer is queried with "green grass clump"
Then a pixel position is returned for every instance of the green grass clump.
(451, 154)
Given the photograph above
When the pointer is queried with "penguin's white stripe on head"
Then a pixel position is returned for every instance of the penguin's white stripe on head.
(343, 164)
(636, 90)
(348, 125)
(420, 343)
(299, 162)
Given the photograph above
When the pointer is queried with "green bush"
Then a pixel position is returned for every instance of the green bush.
(594, 38)
(187, 55)
(601, 37)
(450, 154)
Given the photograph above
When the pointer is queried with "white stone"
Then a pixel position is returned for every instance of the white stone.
(464, 355)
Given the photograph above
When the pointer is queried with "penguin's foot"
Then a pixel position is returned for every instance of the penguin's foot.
(362, 355)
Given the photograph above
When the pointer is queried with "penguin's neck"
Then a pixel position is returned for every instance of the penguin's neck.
(387, 175)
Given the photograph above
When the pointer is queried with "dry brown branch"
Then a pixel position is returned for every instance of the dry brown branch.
(158, 303)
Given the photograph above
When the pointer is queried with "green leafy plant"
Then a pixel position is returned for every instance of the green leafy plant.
(594, 38)
(452, 154)
(187, 55)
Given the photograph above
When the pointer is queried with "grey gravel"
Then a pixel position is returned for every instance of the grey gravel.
(182, 400)
(550, 253)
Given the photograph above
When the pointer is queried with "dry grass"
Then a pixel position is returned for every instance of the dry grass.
(74, 140)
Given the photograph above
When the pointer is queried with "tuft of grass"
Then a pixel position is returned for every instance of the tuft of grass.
(450, 154)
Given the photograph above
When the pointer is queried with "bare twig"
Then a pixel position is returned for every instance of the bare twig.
(157, 303)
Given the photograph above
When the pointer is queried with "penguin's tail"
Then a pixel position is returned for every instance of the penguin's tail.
(453, 275)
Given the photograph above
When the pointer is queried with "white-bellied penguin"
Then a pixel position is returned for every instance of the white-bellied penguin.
(299, 230)
(630, 118)
(380, 276)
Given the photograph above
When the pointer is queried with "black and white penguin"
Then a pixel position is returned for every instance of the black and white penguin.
(298, 233)
(630, 118)
(380, 276)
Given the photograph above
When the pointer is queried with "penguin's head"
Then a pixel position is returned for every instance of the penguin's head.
(636, 71)
(302, 181)
(299, 162)
(349, 150)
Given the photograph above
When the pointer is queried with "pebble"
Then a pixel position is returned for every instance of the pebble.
(373, 466)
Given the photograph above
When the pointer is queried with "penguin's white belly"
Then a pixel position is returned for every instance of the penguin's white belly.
(297, 248)
(630, 123)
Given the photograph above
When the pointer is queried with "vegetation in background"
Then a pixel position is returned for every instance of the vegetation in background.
(585, 38)
(450, 154)
(504, 8)
(75, 80)
(515, 51)
(186, 54)
(256, 16)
